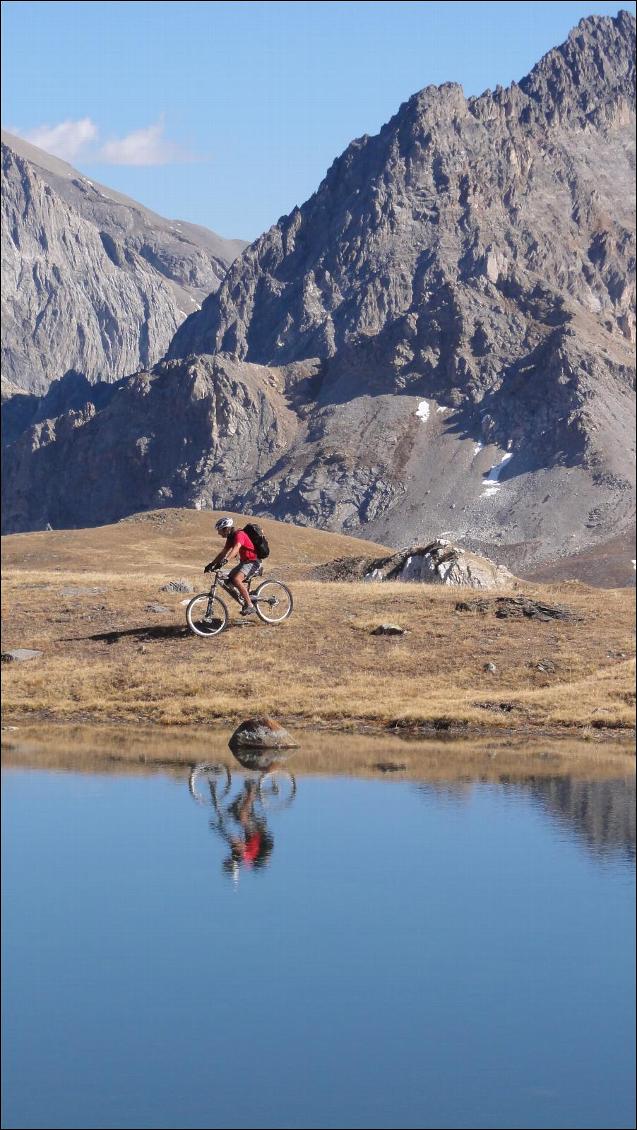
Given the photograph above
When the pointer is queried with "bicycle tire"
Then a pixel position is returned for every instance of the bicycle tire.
(279, 607)
(216, 779)
(199, 617)
(277, 789)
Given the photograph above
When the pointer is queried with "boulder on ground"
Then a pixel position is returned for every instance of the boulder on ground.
(182, 585)
(20, 654)
(437, 563)
(261, 733)
(82, 590)
(388, 630)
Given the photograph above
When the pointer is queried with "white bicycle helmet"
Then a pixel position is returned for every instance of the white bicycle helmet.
(223, 524)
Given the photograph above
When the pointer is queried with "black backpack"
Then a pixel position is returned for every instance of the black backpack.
(258, 539)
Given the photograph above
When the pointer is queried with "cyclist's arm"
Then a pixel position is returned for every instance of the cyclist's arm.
(232, 553)
(220, 559)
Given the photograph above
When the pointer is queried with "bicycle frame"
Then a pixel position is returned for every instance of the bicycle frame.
(221, 579)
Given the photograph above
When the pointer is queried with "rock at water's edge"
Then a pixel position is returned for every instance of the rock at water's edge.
(261, 733)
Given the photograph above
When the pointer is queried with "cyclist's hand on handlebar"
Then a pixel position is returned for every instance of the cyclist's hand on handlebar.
(210, 567)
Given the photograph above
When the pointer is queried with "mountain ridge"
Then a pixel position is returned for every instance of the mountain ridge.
(92, 280)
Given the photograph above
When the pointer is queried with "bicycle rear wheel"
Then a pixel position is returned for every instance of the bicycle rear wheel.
(273, 602)
(206, 615)
(208, 784)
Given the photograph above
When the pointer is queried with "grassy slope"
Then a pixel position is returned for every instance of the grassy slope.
(108, 658)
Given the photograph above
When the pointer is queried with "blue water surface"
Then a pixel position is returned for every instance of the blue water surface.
(406, 956)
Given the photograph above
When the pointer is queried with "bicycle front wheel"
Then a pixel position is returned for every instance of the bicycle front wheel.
(273, 602)
(206, 615)
(277, 789)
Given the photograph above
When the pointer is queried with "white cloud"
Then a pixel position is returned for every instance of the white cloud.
(66, 140)
(80, 139)
(143, 147)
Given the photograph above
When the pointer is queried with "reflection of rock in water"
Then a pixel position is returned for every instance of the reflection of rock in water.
(600, 812)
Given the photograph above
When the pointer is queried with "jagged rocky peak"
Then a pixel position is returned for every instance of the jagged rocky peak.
(453, 193)
(91, 280)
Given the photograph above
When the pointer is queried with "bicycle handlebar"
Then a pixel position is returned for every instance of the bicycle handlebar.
(215, 568)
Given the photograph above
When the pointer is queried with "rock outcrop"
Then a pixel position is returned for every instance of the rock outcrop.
(440, 340)
(438, 563)
(91, 280)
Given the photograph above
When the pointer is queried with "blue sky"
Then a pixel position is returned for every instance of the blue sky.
(229, 114)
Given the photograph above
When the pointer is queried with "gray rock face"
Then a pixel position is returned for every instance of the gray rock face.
(91, 280)
(439, 563)
(460, 235)
(440, 342)
(198, 433)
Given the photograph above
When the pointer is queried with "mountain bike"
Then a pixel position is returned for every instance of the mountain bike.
(207, 614)
(210, 784)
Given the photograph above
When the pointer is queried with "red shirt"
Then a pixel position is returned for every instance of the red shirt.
(246, 551)
(252, 847)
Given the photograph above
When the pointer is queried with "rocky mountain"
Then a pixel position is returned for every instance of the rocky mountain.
(439, 343)
(91, 280)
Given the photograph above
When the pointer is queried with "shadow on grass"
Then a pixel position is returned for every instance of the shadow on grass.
(143, 634)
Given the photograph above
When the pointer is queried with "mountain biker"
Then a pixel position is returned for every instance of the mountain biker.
(237, 544)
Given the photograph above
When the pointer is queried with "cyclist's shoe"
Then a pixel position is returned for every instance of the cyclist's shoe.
(248, 611)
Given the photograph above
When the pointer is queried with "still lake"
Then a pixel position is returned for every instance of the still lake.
(354, 953)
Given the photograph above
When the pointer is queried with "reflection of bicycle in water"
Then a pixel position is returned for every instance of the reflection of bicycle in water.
(241, 821)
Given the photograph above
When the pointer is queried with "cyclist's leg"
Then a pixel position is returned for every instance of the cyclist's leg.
(236, 578)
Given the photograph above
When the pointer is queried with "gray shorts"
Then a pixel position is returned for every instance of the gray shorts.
(247, 568)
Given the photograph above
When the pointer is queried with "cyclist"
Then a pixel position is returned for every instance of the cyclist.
(237, 544)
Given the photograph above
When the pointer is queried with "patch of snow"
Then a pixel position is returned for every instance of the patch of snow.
(375, 575)
(422, 410)
(491, 484)
(477, 448)
(441, 408)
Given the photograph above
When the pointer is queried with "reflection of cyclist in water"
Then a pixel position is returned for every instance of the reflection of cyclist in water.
(253, 845)
(242, 822)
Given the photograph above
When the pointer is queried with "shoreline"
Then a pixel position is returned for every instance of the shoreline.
(404, 729)
(127, 747)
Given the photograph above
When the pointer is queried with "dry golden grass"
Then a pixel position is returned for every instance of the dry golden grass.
(174, 542)
(107, 658)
